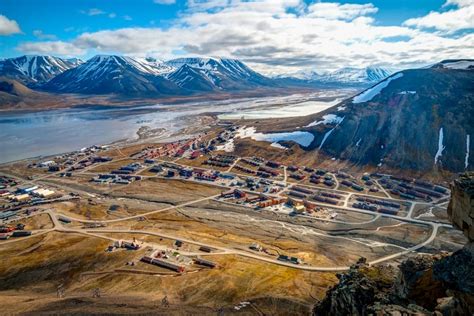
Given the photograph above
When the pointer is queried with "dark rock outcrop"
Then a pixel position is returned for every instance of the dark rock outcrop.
(461, 206)
(415, 281)
(357, 290)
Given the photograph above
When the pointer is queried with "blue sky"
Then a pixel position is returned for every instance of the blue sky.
(273, 36)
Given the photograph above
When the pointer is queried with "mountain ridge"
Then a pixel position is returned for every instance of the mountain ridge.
(417, 119)
(35, 69)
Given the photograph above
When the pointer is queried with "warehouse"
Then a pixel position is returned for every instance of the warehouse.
(44, 193)
(163, 263)
(21, 197)
(27, 189)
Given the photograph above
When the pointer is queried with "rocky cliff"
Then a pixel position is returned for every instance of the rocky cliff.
(423, 284)
(461, 206)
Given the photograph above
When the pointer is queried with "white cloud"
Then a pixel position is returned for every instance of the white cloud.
(459, 3)
(8, 27)
(42, 36)
(112, 15)
(458, 18)
(164, 1)
(93, 11)
(275, 36)
(51, 48)
(333, 10)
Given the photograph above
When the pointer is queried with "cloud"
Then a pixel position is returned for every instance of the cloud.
(276, 36)
(458, 18)
(51, 48)
(333, 10)
(8, 27)
(164, 1)
(127, 18)
(42, 36)
(93, 12)
(112, 15)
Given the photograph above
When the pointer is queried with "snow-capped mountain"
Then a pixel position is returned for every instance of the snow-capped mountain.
(215, 74)
(347, 76)
(103, 74)
(75, 61)
(33, 70)
(191, 78)
(416, 119)
(356, 75)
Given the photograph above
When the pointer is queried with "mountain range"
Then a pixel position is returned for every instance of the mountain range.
(34, 70)
(417, 119)
(347, 76)
(110, 74)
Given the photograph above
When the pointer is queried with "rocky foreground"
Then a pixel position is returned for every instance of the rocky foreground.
(425, 284)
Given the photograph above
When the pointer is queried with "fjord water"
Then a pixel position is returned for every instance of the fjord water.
(31, 134)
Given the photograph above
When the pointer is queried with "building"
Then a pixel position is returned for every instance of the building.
(27, 189)
(43, 193)
(46, 164)
(21, 197)
(54, 168)
(299, 208)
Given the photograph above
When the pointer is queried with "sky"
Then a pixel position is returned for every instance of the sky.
(271, 36)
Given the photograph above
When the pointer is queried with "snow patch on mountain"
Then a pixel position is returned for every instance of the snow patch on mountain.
(441, 147)
(228, 147)
(327, 119)
(326, 137)
(302, 138)
(466, 158)
(461, 64)
(369, 94)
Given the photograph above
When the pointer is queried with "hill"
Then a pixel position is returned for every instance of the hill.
(419, 119)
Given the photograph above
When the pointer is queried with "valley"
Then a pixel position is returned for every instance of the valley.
(236, 157)
(264, 196)
(275, 228)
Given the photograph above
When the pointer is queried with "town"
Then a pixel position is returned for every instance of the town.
(269, 189)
